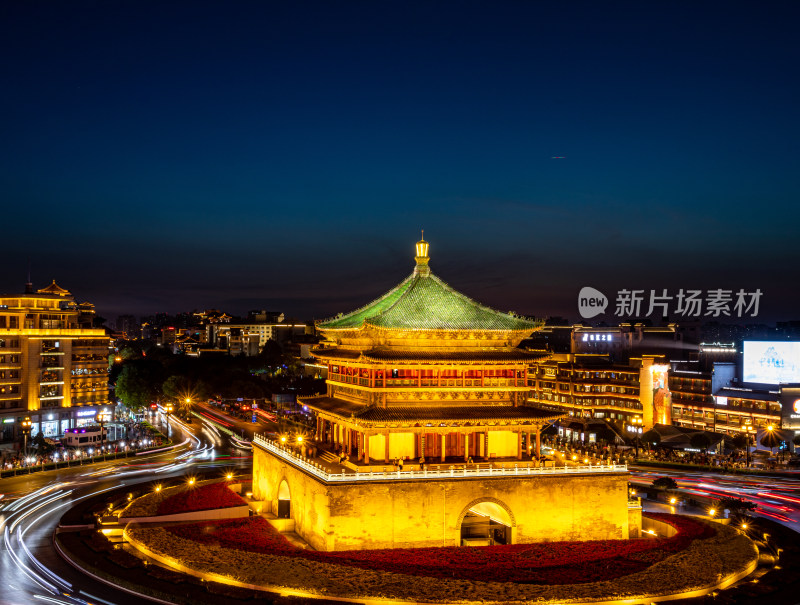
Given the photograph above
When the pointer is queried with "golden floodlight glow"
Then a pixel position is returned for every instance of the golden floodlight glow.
(229, 476)
(283, 439)
(158, 488)
(744, 525)
(299, 439)
(712, 512)
(672, 500)
(191, 480)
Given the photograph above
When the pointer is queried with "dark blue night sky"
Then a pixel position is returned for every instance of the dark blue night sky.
(166, 156)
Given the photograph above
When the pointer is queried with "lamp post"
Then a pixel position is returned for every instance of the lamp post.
(26, 428)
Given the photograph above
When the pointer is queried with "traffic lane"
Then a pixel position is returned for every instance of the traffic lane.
(28, 580)
(775, 498)
(248, 428)
(266, 420)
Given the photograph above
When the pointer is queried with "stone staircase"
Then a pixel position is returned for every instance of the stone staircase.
(329, 457)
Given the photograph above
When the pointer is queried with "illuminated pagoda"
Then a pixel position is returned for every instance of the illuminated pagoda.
(424, 437)
(426, 372)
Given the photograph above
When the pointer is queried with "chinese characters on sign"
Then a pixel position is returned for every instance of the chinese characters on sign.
(688, 303)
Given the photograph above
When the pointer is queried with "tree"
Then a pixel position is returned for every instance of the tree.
(734, 505)
(700, 441)
(665, 483)
(651, 437)
(181, 388)
(138, 384)
(796, 439)
(740, 441)
(43, 447)
(771, 440)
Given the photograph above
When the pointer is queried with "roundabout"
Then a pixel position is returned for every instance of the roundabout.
(247, 556)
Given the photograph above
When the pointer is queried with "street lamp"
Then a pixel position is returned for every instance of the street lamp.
(26, 428)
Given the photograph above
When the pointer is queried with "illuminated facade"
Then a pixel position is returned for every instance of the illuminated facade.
(53, 364)
(429, 377)
(628, 398)
(425, 372)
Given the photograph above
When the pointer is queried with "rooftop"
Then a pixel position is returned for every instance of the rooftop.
(424, 302)
(421, 355)
(485, 412)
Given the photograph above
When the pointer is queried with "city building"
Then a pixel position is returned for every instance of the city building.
(248, 338)
(53, 364)
(129, 327)
(427, 379)
(600, 398)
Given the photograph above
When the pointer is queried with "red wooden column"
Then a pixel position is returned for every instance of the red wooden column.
(466, 446)
(366, 447)
(386, 454)
(519, 445)
(444, 443)
(538, 441)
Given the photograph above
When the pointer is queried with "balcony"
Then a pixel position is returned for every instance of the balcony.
(518, 470)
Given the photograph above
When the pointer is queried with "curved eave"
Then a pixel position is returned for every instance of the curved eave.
(453, 330)
(366, 325)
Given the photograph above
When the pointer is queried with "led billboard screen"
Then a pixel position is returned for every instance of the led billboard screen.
(771, 362)
(790, 405)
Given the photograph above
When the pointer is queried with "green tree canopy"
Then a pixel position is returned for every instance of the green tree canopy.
(665, 483)
(139, 383)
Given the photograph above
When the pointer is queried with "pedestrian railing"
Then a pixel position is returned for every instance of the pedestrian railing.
(518, 470)
(80, 461)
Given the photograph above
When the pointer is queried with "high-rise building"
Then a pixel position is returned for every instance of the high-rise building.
(53, 367)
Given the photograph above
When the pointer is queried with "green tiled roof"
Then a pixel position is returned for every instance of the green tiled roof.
(425, 302)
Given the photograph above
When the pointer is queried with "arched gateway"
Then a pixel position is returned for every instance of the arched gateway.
(486, 521)
(284, 501)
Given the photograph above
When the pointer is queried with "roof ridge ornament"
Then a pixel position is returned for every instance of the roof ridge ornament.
(422, 257)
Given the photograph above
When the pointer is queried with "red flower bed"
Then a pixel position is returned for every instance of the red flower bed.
(542, 563)
(212, 495)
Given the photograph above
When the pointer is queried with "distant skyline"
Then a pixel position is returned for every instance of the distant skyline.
(159, 157)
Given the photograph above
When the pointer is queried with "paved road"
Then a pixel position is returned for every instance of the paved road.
(31, 571)
(776, 498)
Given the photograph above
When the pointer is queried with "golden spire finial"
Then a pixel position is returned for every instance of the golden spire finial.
(422, 257)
